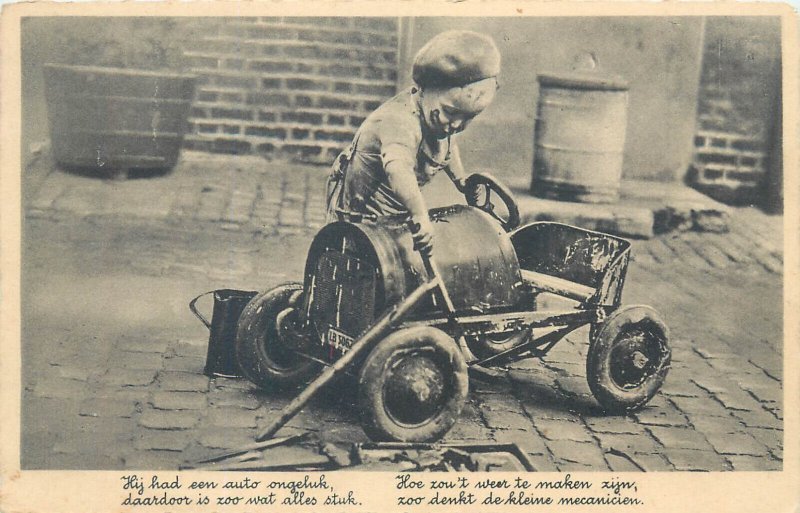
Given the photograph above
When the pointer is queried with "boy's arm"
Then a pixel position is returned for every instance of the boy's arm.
(458, 175)
(399, 168)
(455, 170)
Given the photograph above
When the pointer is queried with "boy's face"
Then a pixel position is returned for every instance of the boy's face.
(449, 111)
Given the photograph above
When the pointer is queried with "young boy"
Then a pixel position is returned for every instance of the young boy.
(408, 139)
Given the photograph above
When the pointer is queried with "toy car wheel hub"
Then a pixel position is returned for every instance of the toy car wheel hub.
(279, 351)
(414, 390)
(632, 360)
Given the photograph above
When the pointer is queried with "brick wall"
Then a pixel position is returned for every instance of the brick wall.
(294, 88)
(738, 102)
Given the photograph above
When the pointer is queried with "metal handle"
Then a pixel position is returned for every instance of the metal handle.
(197, 314)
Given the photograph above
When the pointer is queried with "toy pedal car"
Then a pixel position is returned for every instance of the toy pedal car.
(413, 379)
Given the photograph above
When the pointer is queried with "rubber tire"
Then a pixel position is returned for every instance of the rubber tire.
(375, 421)
(483, 347)
(632, 319)
(256, 332)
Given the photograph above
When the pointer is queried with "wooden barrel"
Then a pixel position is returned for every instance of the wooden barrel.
(115, 118)
(579, 138)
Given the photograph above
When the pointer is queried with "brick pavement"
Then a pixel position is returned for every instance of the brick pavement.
(128, 391)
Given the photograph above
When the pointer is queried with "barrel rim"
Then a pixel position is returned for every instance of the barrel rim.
(583, 81)
(111, 70)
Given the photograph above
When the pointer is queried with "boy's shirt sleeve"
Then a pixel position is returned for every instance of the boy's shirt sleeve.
(400, 137)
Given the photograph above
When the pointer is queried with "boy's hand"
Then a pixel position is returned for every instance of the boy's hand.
(474, 195)
(422, 233)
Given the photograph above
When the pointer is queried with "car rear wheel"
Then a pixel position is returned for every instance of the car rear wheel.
(264, 353)
(629, 358)
(412, 386)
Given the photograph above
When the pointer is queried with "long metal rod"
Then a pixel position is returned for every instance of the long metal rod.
(363, 344)
(433, 274)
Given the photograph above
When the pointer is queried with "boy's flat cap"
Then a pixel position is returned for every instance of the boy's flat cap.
(456, 58)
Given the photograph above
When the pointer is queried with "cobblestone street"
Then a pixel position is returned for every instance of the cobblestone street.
(113, 359)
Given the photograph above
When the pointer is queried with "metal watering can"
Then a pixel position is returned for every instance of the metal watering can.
(228, 306)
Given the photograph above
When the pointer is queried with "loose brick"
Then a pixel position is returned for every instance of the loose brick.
(162, 419)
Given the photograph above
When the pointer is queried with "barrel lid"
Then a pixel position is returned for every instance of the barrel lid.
(585, 81)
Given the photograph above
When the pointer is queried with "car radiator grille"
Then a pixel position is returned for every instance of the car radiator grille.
(343, 295)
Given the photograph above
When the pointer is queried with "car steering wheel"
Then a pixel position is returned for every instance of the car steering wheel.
(492, 184)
